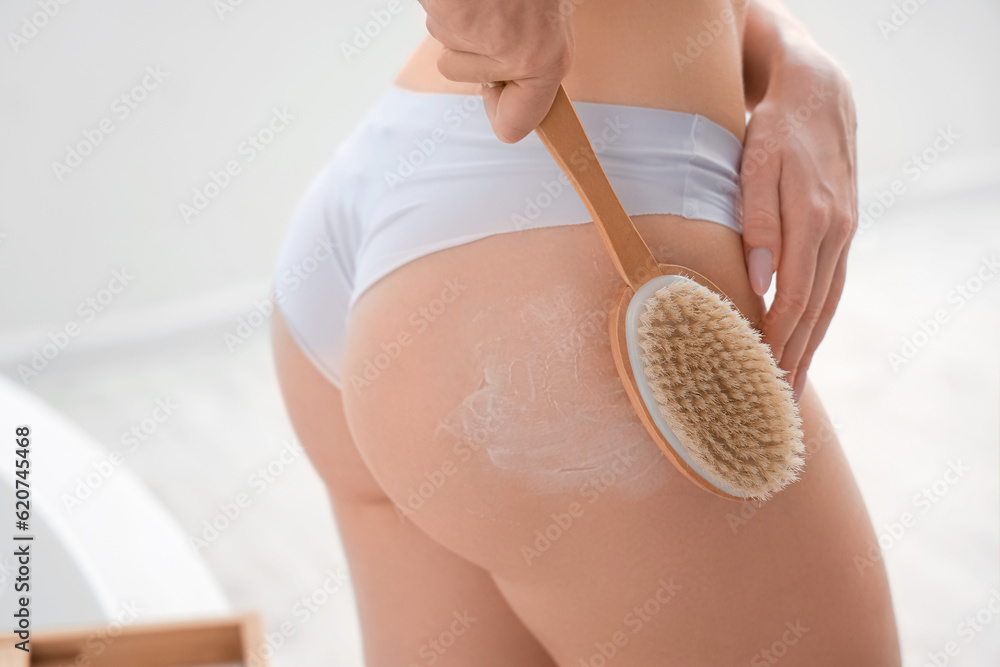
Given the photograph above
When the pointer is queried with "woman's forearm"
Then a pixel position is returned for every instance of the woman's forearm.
(771, 37)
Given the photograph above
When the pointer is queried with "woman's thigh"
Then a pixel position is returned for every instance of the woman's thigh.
(419, 603)
(481, 390)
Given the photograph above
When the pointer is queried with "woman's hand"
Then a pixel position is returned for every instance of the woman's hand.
(800, 201)
(526, 43)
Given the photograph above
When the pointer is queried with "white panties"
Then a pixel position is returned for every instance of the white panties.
(423, 172)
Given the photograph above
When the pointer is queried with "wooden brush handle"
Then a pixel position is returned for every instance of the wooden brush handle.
(564, 137)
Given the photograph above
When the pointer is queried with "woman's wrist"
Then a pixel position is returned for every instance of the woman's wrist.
(779, 53)
(802, 70)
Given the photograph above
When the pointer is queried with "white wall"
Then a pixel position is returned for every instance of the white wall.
(939, 68)
(119, 208)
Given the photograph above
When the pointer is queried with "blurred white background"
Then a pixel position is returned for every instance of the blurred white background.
(920, 284)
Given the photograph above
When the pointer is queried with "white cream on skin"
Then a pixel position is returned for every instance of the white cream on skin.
(551, 409)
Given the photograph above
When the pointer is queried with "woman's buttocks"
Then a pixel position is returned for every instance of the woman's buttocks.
(481, 390)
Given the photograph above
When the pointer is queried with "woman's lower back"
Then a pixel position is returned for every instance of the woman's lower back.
(674, 54)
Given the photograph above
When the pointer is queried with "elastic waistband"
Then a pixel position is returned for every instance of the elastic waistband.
(649, 129)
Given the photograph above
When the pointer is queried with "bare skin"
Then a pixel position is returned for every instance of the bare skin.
(535, 504)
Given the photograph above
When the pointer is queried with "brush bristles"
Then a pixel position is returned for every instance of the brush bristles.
(720, 390)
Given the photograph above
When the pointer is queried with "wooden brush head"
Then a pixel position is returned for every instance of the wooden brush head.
(720, 390)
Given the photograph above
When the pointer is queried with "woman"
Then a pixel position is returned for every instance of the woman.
(498, 499)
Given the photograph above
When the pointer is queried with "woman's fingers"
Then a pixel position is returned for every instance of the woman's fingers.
(521, 106)
(826, 315)
(761, 212)
(792, 357)
(470, 67)
(794, 287)
(527, 44)
(514, 107)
